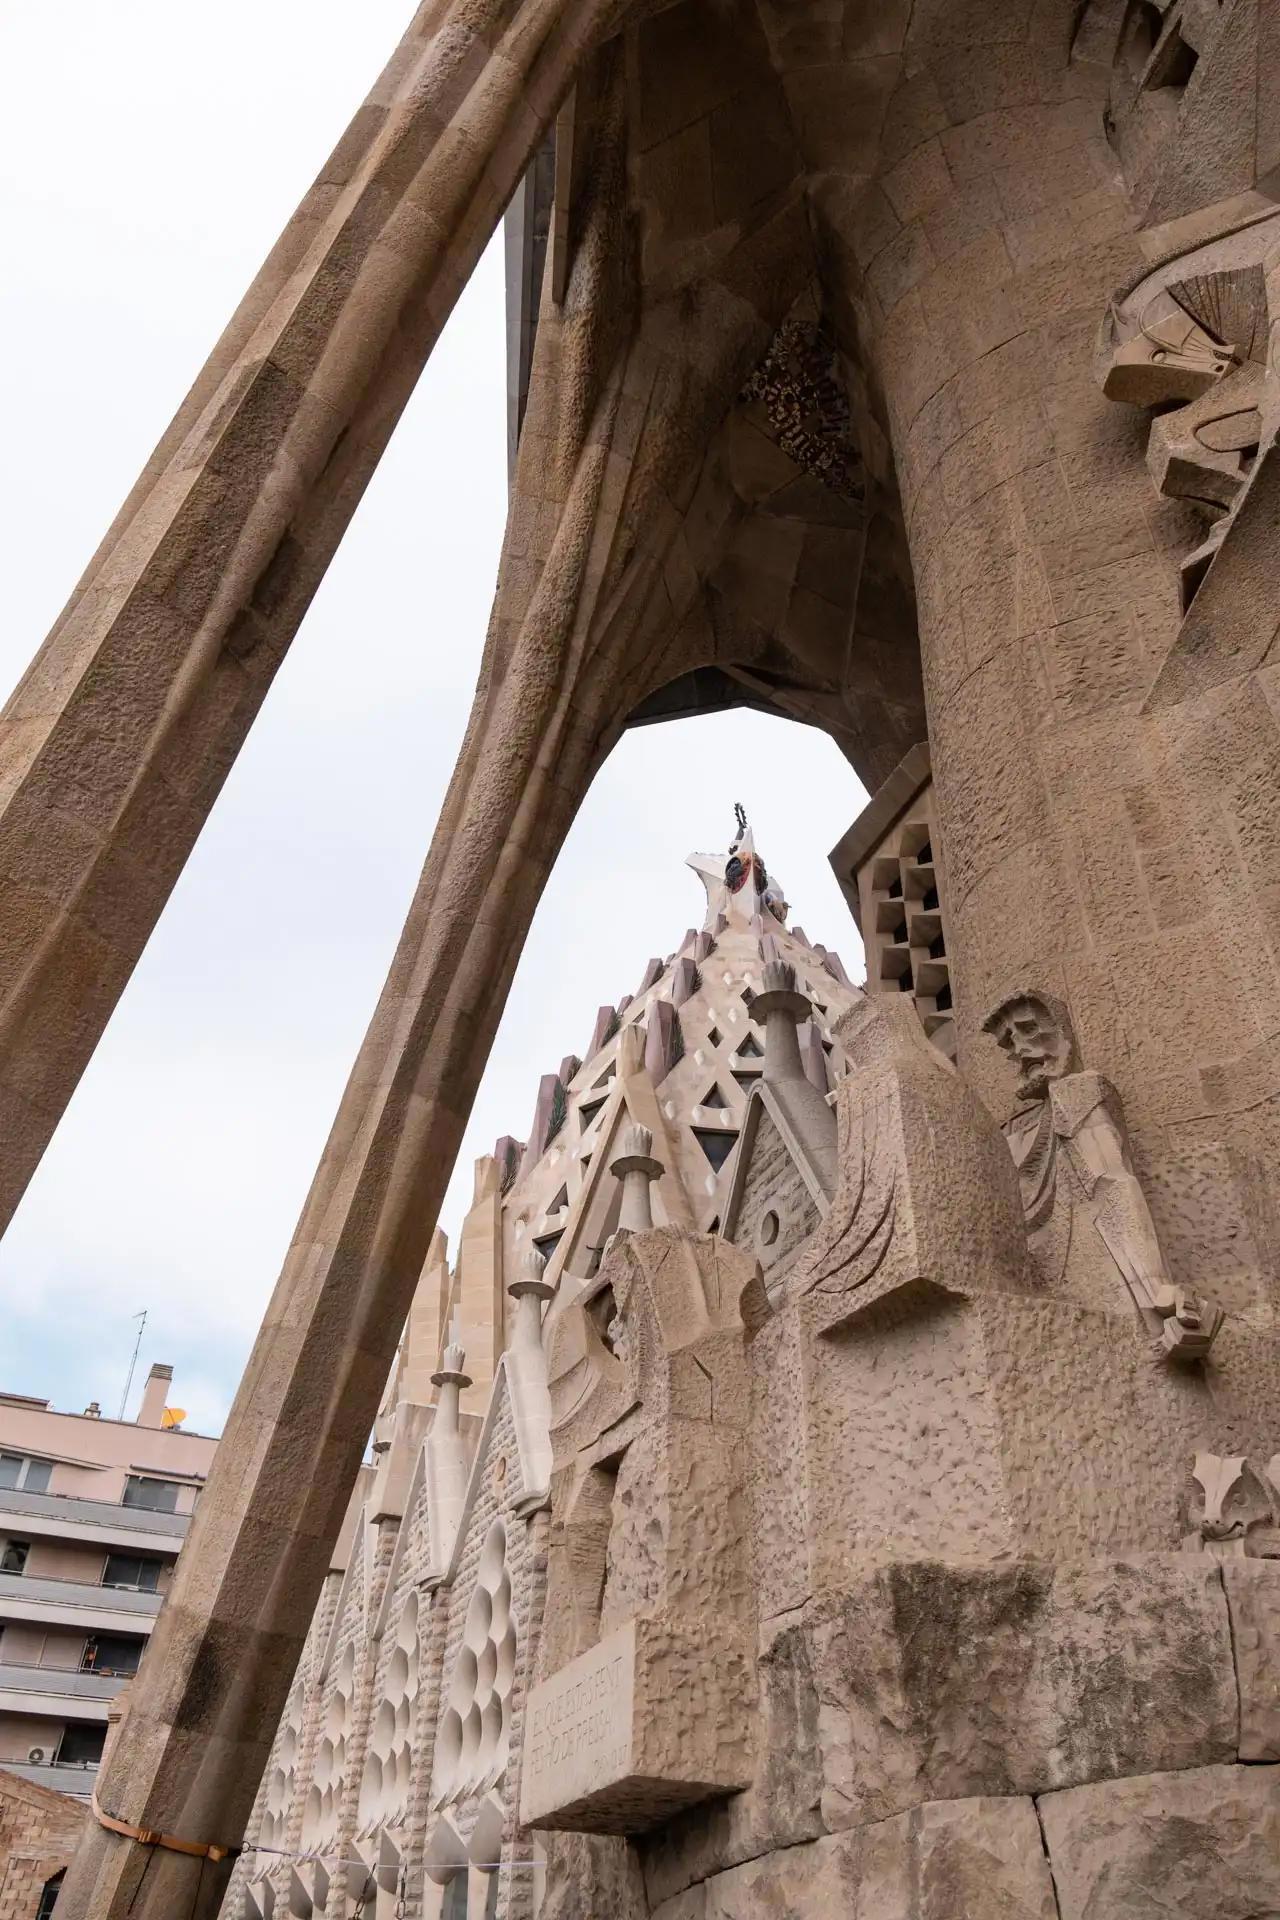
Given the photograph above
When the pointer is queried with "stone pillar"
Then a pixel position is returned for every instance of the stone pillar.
(477, 1297)
(779, 1010)
(217, 1670)
(117, 741)
(636, 1168)
(530, 1292)
(1084, 846)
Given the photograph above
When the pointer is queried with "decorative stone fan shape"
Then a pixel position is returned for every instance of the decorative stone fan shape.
(388, 1766)
(324, 1801)
(471, 1748)
(281, 1780)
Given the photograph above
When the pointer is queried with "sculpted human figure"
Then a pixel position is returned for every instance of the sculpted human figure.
(1069, 1142)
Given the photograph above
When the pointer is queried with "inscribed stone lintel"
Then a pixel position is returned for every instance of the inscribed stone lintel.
(593, 1761)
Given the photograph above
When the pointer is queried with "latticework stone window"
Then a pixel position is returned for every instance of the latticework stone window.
(888, 867)
(471, 1747)
(388, 1766)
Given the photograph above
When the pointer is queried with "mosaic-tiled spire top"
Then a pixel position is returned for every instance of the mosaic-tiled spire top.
(738, 885)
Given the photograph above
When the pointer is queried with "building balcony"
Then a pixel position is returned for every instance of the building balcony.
(60, 1692)
(74, 1780)
(77, 1603)
(59, 1516)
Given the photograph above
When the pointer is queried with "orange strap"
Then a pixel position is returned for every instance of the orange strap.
(150, 1837)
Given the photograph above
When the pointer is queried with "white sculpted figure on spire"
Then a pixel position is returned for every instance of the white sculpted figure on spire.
(738, 887)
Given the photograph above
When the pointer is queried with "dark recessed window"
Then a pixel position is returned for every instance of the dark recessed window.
(49, 1896)
(924, 857)
(110, 1653)
(131, 1570)
(157, 1496)
(13, 1556)
(899, 934)
(906, 983)
(81, 1745)
(942, 999)
(750, 1049)
(930, 901)
(716, 1145)
(714, 1097)
(546, 1243)
(895, 888)
(937, 948)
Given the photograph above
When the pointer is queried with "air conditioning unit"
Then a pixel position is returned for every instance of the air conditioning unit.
(37, 1755)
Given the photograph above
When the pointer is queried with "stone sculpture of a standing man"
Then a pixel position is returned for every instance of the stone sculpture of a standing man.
(1071, 1149)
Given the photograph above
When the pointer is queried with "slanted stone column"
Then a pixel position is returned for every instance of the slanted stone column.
(216, 1673)
(117, 741)
(637, 1169)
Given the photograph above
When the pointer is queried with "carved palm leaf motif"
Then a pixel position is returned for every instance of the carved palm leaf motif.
(1231, 305)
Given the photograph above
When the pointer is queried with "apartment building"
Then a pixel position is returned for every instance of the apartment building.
(93, 1513)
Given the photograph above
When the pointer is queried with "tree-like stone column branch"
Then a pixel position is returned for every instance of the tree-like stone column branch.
(117, 741)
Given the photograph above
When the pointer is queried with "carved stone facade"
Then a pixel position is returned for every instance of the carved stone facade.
(907, 370)
(671, 1628)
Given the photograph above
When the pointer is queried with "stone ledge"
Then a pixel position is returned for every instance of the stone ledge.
(650, 1720)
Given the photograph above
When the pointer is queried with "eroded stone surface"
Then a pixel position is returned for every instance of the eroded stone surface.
(1204, 1844)
(946, 1861)
(1253, 1599)
(1066, 1675)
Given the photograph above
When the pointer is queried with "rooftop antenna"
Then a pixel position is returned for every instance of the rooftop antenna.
(141, 1318)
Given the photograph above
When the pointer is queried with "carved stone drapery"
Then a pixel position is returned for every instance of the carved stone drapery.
(1070, 1146)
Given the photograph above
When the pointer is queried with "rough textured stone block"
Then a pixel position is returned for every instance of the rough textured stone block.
(953, 1860)
(1253, 1599)
(649, 1720)
(1204, 1845)
(941, 1680)
(781, 1806)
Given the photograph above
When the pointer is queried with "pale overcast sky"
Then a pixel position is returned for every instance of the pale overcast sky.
(149, 153)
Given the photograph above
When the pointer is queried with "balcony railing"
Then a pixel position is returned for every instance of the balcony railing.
(93, 1513)
(43, 1591)
(68, 1682)
(75, 1780)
